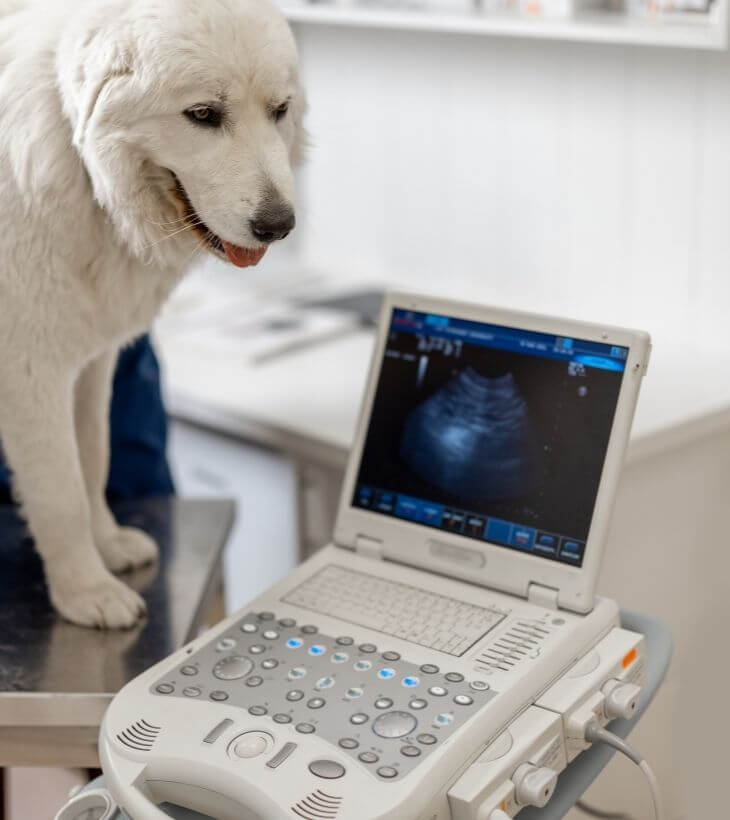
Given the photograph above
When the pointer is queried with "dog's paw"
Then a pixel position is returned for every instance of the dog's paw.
(103, 602)
(126, 549)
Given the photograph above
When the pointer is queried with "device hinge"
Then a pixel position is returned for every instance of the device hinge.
(368, 547)
(542, 596)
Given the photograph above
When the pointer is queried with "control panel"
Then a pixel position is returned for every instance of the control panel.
(366, 700)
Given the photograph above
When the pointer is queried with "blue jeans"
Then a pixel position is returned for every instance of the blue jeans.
(138, 464)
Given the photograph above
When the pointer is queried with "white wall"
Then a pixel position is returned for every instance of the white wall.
(581, 179)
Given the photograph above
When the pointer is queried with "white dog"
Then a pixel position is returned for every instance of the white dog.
(132, 132)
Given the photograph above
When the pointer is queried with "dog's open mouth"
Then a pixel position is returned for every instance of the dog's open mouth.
(236, 254)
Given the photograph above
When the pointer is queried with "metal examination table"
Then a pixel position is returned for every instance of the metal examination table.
(56, 679)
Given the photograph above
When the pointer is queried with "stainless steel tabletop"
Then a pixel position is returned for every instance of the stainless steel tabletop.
(56, 678)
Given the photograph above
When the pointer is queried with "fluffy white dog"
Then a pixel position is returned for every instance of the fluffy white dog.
(132, 133)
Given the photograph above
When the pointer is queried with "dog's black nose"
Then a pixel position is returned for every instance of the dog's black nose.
(273, 223)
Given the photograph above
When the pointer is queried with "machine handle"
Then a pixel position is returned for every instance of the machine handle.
(140, 807)
(137, 804)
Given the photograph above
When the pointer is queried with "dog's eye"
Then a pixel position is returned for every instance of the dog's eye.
(204, 115)
(280, 111)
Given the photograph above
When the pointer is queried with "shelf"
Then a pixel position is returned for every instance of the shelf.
(708, 32)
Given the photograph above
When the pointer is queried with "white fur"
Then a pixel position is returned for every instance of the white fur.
(92, 237)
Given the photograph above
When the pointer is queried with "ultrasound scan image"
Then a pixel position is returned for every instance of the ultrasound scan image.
(473, 438)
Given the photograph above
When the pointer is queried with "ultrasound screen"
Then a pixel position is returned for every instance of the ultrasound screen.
(495, 433)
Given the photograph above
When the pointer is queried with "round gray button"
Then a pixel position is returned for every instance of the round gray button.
(308, 629)
(218, 695)
(266, 616)
(387, 772)
(269, 663)
(257, 649)
(191, 691)
(316, 703)
(345, 640)
(233, 668)
(410, 751)
(249, 628)
(438, 691)
(270, 634)
(165, 688)
(394, 724)
(287, 623)
(254, 680)
(224, 644)
(359, 718)
(368, 648)
(426, 739)
(348, 743)
(280, 717)
(418, 703)
(189, 670)
(463, 700)
(390, 656)
(368, 757)
(454, 677)
(429, 669)
(328, 769)
(383, 703)
(479, 685)
(305, 728)
(294, 695)
(257, 711)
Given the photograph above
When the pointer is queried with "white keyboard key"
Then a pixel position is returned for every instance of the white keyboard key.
(400, 610)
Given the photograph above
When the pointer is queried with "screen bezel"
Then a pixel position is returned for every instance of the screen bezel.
(483, 563)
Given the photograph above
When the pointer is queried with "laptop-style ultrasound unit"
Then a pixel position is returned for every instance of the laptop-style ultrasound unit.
(459, 585)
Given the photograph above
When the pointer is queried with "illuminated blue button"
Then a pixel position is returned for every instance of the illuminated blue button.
(317, 650)
(411, 681)
(386, 674)
(294, 643)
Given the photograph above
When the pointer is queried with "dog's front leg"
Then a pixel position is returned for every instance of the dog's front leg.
(121, 548)
(39, 439)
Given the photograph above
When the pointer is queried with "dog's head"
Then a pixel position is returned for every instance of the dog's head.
(188, 118)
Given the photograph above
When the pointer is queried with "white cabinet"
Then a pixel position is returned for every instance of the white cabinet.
(263, 545)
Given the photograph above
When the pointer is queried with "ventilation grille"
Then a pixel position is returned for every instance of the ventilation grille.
(140, 736)
(317, 806)
(522, 641)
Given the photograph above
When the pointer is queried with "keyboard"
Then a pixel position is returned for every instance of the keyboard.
(400, 610)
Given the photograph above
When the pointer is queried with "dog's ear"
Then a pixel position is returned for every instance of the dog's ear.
(300, 143)
(101, 93)
(94, 54)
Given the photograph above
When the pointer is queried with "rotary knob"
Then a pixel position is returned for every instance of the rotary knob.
(394, 724)
(534, 785)
(233, 667)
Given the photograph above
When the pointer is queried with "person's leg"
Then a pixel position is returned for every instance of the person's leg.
(139, 466)
(121, 548)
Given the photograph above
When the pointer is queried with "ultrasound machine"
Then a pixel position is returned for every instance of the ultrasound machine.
(445, 657)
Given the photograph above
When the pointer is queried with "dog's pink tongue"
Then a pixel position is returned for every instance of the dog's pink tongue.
(243, 257)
